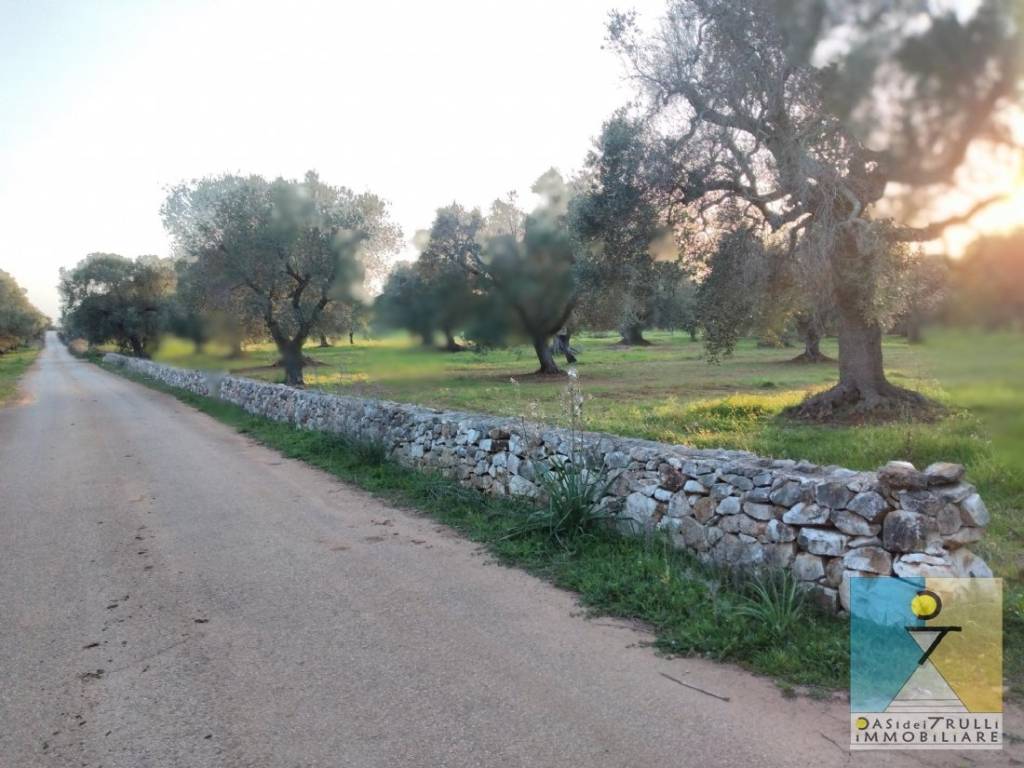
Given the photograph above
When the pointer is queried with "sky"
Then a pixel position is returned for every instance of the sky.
(103, 105)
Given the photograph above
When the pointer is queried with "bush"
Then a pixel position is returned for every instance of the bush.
(369, 451)
(572, 512)
(776, 602)
(78, 347)
(8, 343)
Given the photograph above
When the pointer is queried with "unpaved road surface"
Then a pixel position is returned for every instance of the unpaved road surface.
(173, 595)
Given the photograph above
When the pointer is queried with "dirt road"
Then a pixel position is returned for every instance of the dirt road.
(173, 595)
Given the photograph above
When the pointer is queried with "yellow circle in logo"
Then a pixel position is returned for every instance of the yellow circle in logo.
(924, 605)
(862, 723)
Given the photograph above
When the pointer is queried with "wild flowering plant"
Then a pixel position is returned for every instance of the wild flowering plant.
(570, 482)
(776, 601)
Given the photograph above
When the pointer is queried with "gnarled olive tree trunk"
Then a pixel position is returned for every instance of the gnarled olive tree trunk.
(912, 327)
(137, 347)
(289, 347)
(809, 329)
(812, 345)
(450, 344)
(860, 355)
(633, 336)
(545, 356)
(292, 361)
(562, 346)
(863, 391)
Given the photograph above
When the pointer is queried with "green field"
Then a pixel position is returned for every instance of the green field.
(12, 366)
(668, 392)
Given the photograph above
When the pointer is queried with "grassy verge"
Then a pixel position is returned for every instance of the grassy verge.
(692, 610)
(12, 366)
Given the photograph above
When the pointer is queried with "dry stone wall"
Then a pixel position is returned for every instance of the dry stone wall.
(825, 524)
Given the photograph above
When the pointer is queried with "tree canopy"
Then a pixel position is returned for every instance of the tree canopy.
(748, 109)
(107, 297)
(407, 302)
(289, 248)
(526, 271)
(20, 322)
(446, 296)
(454, 241)
(618, 224)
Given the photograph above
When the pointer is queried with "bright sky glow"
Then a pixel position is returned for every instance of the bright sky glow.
(104, 104)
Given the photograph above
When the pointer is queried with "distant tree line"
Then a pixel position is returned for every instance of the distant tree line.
(766, 181)
(986, 286)
(20, 322)
(254, 259)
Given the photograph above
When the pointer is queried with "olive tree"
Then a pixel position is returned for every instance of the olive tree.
(342, 318)
(753, 287)
(437, 292)
(205, 308)
(616, 220)
(726, 304)
(407, 302)
(20, 321)
(674, 300)
(289, 248)
(927, 289)
(806, 115)
(525, 271)
(453, 241)
(188, 314)
(107, 297)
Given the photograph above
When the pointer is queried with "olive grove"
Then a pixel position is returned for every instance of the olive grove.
(815, 120)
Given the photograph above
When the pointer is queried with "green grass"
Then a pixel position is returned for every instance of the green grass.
(668, 392)
(12, 366)
(691, 609)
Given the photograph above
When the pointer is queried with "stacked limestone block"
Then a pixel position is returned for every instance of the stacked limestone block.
(732, 508)
(197, 382)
